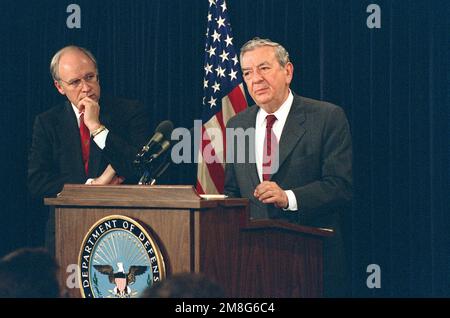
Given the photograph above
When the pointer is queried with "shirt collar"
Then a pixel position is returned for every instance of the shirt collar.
(281, 113)
(75, 110)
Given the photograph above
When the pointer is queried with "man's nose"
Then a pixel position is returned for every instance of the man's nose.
(85, 85)
(256, 78)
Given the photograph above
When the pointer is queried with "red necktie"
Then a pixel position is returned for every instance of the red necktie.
(85, 141)
(270, 148)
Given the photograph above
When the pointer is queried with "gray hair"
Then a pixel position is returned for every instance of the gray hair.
(280, 52)
(54, 64)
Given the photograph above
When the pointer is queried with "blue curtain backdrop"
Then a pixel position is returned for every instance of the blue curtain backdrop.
(393, 83)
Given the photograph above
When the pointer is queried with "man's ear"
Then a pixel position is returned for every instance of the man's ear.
(289, 69)
(59, 87)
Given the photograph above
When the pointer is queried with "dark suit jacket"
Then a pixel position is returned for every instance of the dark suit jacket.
(55, 154)
(315, 162)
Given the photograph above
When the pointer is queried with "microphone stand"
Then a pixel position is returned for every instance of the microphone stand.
(150, 174)
(144, 178)
(146, 175)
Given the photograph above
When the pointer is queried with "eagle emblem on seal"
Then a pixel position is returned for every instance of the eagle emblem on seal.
(120, 279)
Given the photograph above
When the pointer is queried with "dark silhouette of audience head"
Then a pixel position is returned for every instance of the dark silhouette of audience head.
(29, 273)
(185, 285)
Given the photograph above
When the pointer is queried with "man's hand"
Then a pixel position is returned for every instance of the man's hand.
(270, 192)
(91, 113)
(108, 177)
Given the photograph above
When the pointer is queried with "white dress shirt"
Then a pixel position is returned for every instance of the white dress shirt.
(260, 133)
(100, 139)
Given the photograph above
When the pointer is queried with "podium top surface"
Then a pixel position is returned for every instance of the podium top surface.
(161, 196)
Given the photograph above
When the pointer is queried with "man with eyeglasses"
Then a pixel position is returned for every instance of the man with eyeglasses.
(86, 140)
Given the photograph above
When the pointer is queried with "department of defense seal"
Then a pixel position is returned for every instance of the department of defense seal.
(118, 259)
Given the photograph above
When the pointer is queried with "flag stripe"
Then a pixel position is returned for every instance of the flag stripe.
(223, 98)
(237, 98)
(213, 134)
(204, 177)
(220, 121)
(227, 109)
(199, 186)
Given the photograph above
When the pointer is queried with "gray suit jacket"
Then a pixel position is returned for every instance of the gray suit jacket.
(315, 162)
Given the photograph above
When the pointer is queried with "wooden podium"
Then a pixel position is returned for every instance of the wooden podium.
(249, 258)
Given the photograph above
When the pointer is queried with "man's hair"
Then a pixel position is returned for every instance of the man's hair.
(29, 273)
(280, 52)
(185, 285)
(54, 64)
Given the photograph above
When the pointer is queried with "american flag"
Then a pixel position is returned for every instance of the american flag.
(223, 98)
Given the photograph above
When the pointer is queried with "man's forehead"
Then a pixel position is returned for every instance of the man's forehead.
(76, 63)
(258, 57)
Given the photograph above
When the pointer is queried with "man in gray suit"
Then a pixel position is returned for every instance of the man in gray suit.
(311, 181)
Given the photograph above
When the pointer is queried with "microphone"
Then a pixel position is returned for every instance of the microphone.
(159, 142)
(150, 175)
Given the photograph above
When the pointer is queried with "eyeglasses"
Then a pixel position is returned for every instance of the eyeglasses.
(88, 78)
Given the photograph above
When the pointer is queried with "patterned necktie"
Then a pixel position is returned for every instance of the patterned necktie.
(85, 141)
(270, 148)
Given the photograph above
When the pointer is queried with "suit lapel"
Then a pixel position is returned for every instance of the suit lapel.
(95, 158)
(293, 130)
(68, 127)
(249, 121)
